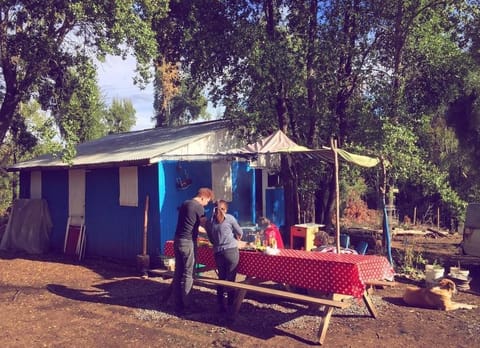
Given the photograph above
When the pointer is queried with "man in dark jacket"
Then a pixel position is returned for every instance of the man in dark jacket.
(191, 216)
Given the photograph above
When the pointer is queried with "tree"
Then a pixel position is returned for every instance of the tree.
(32, 133)
(120, 117)
(80, 108)
(194, 45)
(40, 40)
(426, 69)
(373, 73)
(178, 98)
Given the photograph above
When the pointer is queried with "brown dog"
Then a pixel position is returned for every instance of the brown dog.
(438, 297)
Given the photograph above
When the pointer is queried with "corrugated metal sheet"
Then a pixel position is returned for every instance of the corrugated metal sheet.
(141, 147)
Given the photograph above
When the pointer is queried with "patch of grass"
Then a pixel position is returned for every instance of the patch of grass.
(411, 262)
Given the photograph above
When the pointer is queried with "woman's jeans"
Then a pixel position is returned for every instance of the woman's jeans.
(227, 262)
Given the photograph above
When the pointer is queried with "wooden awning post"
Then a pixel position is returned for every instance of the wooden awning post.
(145, 227)
(333, 145)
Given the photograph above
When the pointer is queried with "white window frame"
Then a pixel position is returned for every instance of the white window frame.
(36, 184)
(128, 181)
(222, 180)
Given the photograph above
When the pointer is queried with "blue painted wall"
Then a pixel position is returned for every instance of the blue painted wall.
(170, 197)
(275, 206)
(117, 231)
(243, 198)
(148, 184)
(55, 192)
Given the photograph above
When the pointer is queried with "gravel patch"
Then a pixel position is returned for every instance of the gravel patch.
(256, 311)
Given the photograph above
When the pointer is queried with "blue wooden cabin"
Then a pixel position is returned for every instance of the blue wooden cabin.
(109, 179)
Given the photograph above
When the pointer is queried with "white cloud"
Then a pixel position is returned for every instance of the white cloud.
(115, 78)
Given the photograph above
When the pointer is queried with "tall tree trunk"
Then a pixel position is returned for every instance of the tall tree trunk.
(7, 110)
(10, 101)
(278, 86)
(330, 204)
(398, 46)
(310, 67)
(345, 78)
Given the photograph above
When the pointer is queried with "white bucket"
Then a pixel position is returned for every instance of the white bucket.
(433, 274)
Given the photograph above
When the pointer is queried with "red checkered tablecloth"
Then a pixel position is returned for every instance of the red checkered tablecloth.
(327, 272)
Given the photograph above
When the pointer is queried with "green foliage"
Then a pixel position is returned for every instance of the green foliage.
(80, 107)
(409, 164)
(43, 43)
(183, 103)
(411, 261)
(120, 117)
(42, 127)
(33, 133)
(386, 78)
(378, 74)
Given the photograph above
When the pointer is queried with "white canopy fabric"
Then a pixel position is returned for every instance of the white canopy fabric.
(279, 142)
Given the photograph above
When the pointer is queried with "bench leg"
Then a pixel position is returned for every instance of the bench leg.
(319, 294)
(238, 301)
(322, 332)
(370, 306)
(240, 296)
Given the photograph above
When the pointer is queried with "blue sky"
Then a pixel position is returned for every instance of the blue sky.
(115, 78)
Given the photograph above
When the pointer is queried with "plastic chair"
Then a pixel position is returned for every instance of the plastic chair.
(361, 247)
(344, 240)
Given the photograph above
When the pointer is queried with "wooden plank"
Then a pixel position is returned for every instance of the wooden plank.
(161, 272)
(259, 289)
(273, 292)
(72, 240)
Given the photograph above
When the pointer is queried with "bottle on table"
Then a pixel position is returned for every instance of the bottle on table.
(258, 241)
(274, 243)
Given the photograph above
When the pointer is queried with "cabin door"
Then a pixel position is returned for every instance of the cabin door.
(76, 196)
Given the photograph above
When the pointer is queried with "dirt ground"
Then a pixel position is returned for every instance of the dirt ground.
(51, 301)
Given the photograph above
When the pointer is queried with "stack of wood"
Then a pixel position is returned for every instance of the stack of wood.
(433, 233)
(429, 233)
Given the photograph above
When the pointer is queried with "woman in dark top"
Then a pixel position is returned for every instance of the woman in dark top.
(224, 232)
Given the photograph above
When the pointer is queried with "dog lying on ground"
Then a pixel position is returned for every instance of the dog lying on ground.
(438, 297)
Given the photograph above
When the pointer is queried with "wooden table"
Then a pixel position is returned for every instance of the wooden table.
(326, 273)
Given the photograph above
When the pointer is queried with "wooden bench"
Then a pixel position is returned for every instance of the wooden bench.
(272, 292)
(243, 287)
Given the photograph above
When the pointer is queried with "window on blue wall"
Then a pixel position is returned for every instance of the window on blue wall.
(273, 180)
(222, 180)
(36, 184)
(128, 186)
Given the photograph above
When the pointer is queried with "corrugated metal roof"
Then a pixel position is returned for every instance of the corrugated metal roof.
(135, 148)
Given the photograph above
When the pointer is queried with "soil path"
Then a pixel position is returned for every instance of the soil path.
(50, 301)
